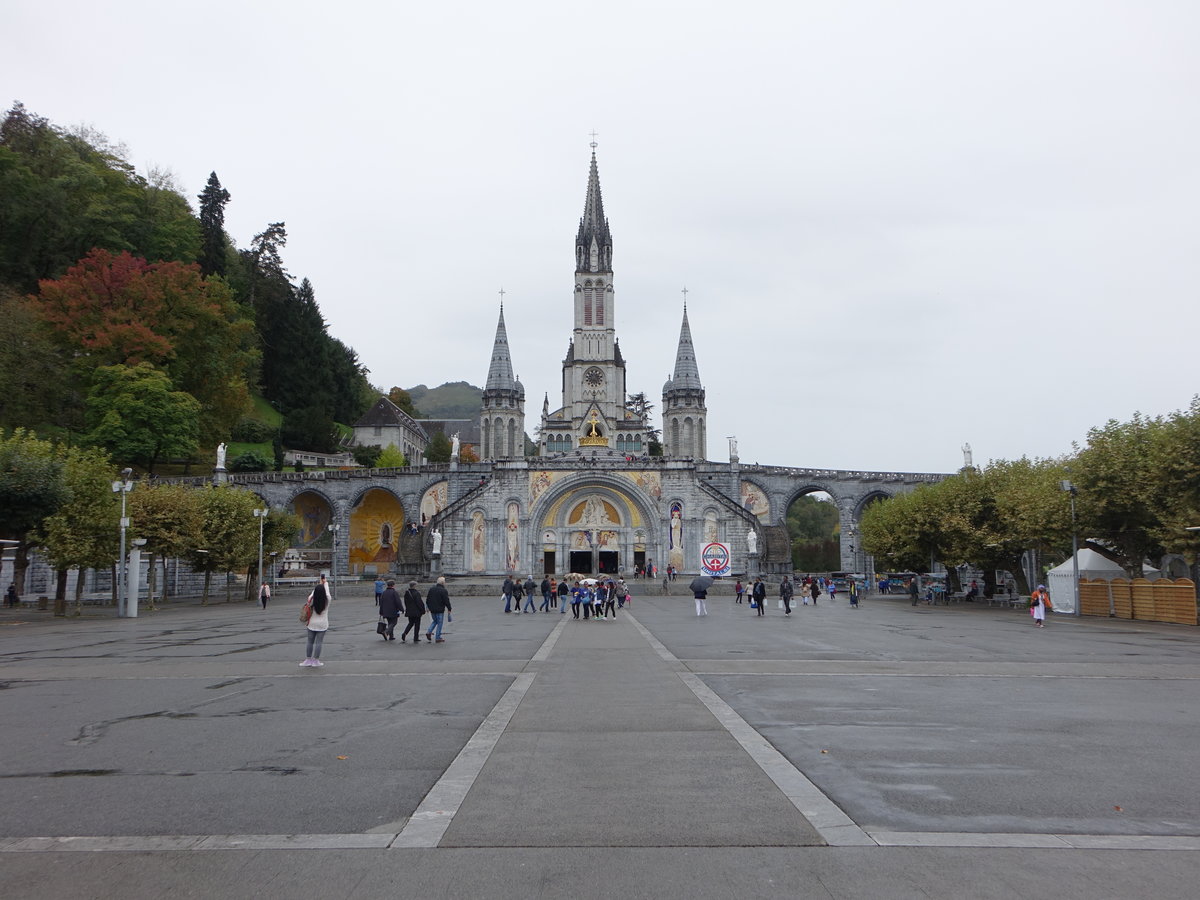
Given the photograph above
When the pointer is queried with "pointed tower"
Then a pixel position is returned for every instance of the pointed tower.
(502, 417)
(593, 379)
(685, 417)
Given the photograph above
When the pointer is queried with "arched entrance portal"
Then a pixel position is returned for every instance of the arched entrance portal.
(596, 529)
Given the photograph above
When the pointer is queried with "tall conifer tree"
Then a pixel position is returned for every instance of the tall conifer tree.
(212, 227)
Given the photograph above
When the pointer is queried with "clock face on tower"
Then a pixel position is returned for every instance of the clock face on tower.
(593, 378)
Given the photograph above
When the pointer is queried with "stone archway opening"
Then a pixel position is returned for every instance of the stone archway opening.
(814, 531)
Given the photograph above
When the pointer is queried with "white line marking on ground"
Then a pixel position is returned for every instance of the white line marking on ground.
(427, 825)
(834, 826)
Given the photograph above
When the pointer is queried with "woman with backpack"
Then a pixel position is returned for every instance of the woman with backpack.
(316, 620)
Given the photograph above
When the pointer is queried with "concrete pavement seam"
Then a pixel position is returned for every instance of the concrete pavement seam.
(428, 823)
(835, 827)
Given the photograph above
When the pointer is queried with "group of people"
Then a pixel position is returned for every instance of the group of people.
(315, 614)
(392, 606)
(597, 599)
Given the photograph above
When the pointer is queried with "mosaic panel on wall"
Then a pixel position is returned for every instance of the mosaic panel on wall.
(315, 516)
(375, 526)
(755, 501)
(433, 501)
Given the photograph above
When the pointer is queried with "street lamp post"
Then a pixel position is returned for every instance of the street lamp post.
(333, 560)
(274, 585)
(123, 487)
(1071, 492)
(261, 515)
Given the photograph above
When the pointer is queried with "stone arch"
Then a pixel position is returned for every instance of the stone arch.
(637, 514)
(861, 503)
(316, 511)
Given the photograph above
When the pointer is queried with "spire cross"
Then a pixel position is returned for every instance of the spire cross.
(501, 296)
(685, 293)
(593, 134)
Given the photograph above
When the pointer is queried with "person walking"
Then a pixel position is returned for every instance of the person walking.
(264, 594)
(814, 590)
(699, 587)
(739, 589)
(758, 594)
(852, 588)
(914, 591)
(785, 594)
(10, 596)
(576, 599)
(610, 601)
(414, 608)
(317, 606)
(564, 591)
(1039, 602)
(506, 591)
(547, 592)
(437, 601)
(390, 607)
(530, 587)
(379, 588)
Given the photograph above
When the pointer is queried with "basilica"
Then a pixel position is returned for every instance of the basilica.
(594, 498)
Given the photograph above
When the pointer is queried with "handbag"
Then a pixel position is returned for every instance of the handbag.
(754, 604)
(381, 627)
(306, 610)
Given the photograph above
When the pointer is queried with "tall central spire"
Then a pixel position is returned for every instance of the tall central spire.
(500, 373)
(593, 242)
(687, 373)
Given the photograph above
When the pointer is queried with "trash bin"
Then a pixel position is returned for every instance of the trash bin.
(43, 602)
(60, 606)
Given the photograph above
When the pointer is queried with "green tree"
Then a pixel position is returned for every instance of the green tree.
(812, 524)
(168, 517)
(250, 461)
(133, 412)
(639, 404)
(1120, 495)
(33, 383)
(403, 399)
(33, 486)
(83, 532)
(368, 456)
(214, 242)
(391, 458)
(228, 537)
(439, 448)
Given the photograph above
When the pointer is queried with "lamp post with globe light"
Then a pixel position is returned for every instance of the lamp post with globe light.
(123, 487)
(261, 515)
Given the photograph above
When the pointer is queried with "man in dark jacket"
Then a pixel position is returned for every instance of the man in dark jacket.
(390, 608)
(437, 601)
(530, 587)
(414, 608)
(545, 607)
(507, 590)
(785, 594)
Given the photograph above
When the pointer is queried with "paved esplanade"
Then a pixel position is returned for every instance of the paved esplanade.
(881, 752)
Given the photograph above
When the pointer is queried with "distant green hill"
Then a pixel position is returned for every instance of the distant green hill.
(452, 400)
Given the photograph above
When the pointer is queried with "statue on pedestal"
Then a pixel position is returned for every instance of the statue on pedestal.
(752, 541)
(454, 444)
(221, 455)
(437, 542)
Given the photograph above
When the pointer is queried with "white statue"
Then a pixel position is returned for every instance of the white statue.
(221, 455)
(454, 446)
(733, 448)
(437, 542)
(967, 463)
(752, 541)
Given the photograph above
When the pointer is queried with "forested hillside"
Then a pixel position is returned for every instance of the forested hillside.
(452, 400)
(133, 323)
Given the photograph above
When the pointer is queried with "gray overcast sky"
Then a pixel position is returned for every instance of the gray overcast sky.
(902, 225)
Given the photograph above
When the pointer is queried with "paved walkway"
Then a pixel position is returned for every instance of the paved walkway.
(600, 763)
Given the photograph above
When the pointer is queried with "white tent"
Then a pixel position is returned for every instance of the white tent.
(1060, 579)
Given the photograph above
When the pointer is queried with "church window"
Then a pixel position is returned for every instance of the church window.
(587, 308)
(599, 308)
(566, 442)
(486, 434)
(512, 438)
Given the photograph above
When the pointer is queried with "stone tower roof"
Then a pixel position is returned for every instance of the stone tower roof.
(593, 227)
(500, 372)
(687, 373)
